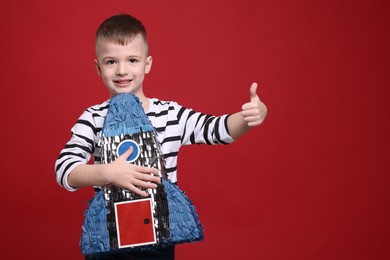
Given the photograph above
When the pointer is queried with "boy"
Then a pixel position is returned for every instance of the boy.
(122, 61)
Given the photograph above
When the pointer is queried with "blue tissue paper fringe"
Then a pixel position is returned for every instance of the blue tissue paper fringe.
(125, 115)
(95, 237)
(184, 223)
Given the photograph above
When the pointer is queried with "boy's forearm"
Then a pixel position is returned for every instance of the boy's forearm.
(88, 175)
(237, 126)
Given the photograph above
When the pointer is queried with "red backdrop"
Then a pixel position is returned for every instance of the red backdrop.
(311, 183)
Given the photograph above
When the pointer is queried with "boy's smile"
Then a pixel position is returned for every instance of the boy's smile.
(122, 83)
(123, 67)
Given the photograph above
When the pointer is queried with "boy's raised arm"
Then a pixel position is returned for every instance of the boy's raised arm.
(252, 114)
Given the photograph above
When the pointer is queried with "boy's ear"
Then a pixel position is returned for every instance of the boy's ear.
(148, 67)
(97, 67)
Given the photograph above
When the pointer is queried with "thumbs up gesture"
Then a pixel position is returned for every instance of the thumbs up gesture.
(255, 111)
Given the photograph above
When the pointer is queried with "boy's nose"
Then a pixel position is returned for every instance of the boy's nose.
(122, 70)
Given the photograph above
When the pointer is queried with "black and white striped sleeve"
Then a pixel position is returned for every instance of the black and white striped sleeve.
(177, 126)
(200, 128)
(78, 150)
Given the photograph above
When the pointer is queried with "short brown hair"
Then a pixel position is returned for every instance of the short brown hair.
(120, 29)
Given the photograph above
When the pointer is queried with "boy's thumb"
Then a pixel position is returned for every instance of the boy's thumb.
(253, 91)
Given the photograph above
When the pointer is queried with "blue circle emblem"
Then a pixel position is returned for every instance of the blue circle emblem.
(124, 146)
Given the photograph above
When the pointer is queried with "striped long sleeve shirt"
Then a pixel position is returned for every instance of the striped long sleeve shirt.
(175, 125)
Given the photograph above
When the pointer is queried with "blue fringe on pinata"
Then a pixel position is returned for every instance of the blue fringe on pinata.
(183, 219)
(125, 115)
(95, 237)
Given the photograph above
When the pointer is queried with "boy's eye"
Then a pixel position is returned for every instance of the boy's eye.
(110, 62)
(132, 60)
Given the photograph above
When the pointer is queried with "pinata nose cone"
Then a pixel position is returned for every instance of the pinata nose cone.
(125, 116)
(126, 96)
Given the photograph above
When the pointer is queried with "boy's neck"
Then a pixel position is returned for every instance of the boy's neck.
(144, 100)
(145, 103)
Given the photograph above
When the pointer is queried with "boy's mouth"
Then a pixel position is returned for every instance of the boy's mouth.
(122, 82)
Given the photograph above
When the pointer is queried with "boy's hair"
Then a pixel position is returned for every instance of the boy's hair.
(121, 29)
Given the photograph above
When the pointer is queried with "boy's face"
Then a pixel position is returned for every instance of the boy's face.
(123, 67)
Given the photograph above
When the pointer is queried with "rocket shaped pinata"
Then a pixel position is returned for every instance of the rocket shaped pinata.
(118, 219)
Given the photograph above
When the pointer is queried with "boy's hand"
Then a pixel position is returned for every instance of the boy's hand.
(255, 111)
(130, 176)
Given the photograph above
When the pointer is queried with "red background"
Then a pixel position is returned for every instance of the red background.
(311, 183)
